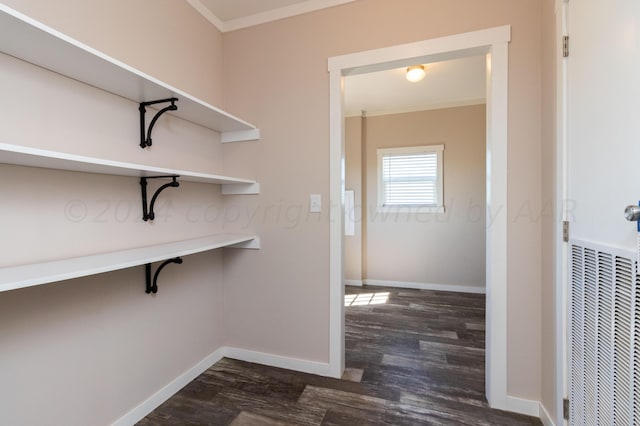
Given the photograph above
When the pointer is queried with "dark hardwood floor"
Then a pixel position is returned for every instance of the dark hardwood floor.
(416, 359)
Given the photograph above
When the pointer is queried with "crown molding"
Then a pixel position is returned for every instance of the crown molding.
(264, 17)
(418, 108)
(207, 14)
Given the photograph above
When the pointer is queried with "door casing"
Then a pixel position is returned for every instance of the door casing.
(493, 43)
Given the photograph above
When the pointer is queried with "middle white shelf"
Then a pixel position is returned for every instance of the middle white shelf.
(34, 157)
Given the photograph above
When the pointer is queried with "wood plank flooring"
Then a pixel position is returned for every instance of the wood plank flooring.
(416, 359)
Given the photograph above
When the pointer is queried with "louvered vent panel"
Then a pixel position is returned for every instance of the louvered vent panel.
(576, 335)
(604, 335)
(635, 391)
(623, 326)
(590, 337)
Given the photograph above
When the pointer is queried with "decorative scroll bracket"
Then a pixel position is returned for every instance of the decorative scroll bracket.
(145, 134)
(147, 212)
(152, 286)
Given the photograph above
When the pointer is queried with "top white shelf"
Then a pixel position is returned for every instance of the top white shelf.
(36, 43)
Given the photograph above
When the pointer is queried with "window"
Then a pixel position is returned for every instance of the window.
(410, 177)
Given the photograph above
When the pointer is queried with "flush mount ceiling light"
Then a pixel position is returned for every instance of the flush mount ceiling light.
(415, 73)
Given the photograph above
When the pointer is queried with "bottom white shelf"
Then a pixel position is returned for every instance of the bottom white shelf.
(15, 277)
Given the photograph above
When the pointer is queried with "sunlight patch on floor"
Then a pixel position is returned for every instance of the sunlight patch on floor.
(365, 299)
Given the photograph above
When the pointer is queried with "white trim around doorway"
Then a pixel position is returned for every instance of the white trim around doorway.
(493, 43)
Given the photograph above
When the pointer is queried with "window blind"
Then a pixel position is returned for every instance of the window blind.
(410, 179)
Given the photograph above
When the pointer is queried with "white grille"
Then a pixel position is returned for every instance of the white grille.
(604, 335)
(623, 326)
(576, 397)
(605, 338)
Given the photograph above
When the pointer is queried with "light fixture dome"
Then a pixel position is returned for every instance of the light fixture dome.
(415, 73)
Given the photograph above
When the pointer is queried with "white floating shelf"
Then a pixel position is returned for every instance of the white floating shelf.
(34, 157)
(36, 43)
(15, 277)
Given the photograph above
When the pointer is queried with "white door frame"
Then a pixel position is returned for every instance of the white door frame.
(561, 279)
(494, 43)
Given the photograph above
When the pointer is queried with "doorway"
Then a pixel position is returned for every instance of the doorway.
(415, 163)
(494, 44)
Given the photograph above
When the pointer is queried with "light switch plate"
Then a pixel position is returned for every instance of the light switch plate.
(315, 203)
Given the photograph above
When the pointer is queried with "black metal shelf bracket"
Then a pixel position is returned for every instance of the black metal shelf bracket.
(147, 212)
(152, 286)
(145, 134)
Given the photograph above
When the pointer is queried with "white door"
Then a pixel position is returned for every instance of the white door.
(603, 166)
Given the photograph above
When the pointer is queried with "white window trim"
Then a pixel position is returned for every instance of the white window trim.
(439, 208)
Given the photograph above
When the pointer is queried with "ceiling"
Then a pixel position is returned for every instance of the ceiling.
(449, 83)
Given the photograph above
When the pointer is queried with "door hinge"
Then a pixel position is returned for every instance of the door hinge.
(565, 231)
(565, 409)
(565, 46)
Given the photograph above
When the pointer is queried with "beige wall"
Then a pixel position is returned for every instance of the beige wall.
(276, 76)
(353, 135)
(89, 350)
(431, 248)
(275, 299)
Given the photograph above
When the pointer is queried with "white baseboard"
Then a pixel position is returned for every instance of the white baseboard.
(545, 418)
(319, 368)
(356, 283)
(517, 405)
(529, 408)
(427, 286)
(155, 400)
(523, 406)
